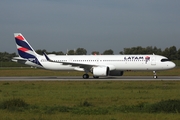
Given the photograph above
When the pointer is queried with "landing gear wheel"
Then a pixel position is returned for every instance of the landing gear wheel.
(96, 77)
(155, 76)
(85, 76)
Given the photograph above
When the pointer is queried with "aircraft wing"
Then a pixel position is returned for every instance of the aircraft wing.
(80, 65)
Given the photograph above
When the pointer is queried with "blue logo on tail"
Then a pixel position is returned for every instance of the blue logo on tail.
(25, 51)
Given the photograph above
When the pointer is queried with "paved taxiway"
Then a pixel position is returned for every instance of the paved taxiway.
(79, 78)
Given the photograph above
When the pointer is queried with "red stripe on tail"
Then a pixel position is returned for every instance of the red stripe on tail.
(23, 49)
(19, 37)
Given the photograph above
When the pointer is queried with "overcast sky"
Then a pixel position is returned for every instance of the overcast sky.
(58, 25)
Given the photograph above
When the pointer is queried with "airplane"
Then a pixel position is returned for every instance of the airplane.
(98, 65)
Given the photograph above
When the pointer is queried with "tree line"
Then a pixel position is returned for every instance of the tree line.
(172, 52)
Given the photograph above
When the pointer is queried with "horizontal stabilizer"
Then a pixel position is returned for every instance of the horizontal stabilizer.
(19, 58)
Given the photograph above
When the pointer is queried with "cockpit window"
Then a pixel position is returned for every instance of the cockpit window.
(164, 60)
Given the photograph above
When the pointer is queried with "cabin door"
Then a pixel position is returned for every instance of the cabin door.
(153, 60)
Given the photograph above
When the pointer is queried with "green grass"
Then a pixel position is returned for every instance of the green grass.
(27, 71)
(79, 100)
(11, 64)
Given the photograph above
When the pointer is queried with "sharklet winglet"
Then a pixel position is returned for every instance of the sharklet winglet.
(47, 58)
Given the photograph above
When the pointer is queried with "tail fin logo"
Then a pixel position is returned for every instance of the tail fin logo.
(24, 49)
(20, 37)
(22, 43)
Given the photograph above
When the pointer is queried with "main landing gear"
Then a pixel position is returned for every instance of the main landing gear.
(155, 75)
(95, 77)
(85, 76)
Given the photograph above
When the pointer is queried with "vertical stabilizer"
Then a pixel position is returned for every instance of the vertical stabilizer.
(25, 50)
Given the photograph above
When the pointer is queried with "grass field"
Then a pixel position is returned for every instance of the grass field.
(27, 71)
(97, 100)
(90, 100)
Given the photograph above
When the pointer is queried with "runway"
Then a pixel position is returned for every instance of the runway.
(79, 78)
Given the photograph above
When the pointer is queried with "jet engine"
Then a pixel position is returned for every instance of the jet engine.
(100, 71)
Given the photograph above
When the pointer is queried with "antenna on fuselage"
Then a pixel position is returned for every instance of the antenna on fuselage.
(67, 52)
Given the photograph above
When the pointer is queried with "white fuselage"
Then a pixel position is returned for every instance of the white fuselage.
(98, 65)
(114, 62)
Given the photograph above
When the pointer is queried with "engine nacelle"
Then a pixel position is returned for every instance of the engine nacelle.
(116, 73)
(100, 71)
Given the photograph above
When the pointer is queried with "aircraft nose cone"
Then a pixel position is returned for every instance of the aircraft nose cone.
(172, 65)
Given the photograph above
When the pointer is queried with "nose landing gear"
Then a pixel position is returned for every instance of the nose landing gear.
(155, 75)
